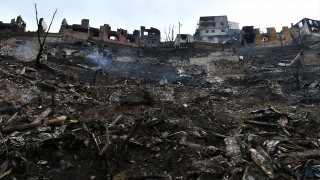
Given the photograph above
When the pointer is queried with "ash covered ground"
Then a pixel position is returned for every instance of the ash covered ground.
(99, 112)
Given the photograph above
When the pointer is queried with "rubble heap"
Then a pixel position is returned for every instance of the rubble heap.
(114, 113)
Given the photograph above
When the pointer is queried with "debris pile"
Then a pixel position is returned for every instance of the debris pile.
(70, 121)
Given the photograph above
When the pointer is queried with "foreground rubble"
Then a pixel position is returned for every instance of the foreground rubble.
(81, 123)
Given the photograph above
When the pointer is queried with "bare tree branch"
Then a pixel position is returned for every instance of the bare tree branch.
(44, 40)
(35, 7)
(169, 36)
(39, 55)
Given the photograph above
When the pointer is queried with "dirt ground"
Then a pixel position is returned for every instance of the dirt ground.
(249, 126)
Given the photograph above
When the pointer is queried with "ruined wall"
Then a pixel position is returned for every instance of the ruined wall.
(212, 46)
(222, 64)
(271, 36)
(149, 37)
(16, 25)
(77, 31)
(226, 67)
(75, 34)
(121, 36)
(52, 37)
(286, 33)
(249, 35)
(310, 61)
(96, 34)
(184, 38)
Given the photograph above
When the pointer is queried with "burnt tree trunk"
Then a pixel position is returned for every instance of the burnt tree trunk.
(297, 78)
(38, 63)
(296, 75)
(41, 44)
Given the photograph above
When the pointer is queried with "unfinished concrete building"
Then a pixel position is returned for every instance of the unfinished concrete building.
(215, 29)
(121, 36)
(271, 37)
(149, 37)
(307, 29)
(16, 25)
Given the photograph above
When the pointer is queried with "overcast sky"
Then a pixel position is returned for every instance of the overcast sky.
(131, 14)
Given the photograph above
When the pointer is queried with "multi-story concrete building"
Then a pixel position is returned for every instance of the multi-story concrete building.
(214, 29)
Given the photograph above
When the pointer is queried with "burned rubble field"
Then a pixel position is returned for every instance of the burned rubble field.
(141, 119)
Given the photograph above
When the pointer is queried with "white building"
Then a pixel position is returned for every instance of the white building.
(214, 29)
(233, 25)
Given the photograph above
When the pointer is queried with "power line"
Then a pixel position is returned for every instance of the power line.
(150, 11)
(156, 13)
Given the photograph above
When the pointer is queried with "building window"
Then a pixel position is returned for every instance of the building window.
(221, 17)
(96, 34)
(300, 24)
(310, 22)
(222, 23)
(222, 30)
(207, 31)
(213, 31)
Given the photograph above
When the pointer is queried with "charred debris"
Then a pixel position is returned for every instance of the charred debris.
(114, 111)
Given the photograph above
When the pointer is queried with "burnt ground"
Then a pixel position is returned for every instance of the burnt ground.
(190, 129)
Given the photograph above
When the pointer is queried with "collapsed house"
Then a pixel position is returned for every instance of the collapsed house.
(308, 29)
(251, 35)
(216, 29)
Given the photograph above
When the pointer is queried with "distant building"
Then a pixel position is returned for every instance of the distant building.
(308, 28)
(215, 29)
(250, 35)
(83, 31)
(233, 25)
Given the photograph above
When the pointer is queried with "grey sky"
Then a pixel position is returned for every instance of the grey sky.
(131, 14)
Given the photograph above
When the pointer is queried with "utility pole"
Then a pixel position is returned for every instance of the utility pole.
(179, 34)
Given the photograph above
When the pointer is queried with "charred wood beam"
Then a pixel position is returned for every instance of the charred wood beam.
(306, 154)
(38, 121)
(59, 122)
(134, 129)
(150, 177)
(268, 124)
(13, 109)
(263, 163)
